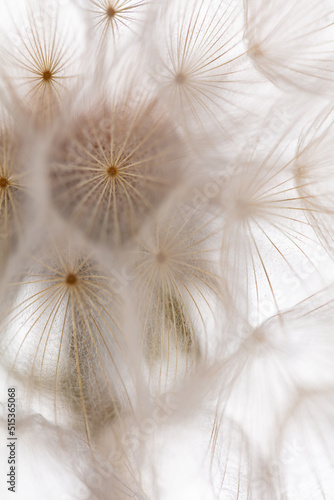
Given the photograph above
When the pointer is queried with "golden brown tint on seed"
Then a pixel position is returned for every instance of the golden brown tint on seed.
(111, 12)
(71, 279)
(161, 258)
(180, 78)
(4, 182)
(112, 171)
(47, 75)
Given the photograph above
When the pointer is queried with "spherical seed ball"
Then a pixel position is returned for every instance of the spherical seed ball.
(114, 168)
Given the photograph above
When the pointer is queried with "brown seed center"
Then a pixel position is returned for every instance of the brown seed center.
(242, 208)
(161, 258)
(255, 51)
(71, 279)
(259, 336)
(301, 171)
(112, 171)
(4, 183)
(111, 12)
(180, 78)
(47, 75)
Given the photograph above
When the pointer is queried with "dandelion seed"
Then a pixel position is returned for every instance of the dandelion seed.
(291, 45)
(266, 228)
(12, 193)
(112, 15)
(291, 350)
(115, 167)
(202, 64)
(313, 170)
(61, 332)
(257, 384)
(177, 285)
(38, 67)
(45, 453)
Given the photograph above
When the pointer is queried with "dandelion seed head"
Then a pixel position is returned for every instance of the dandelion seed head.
(201, 262)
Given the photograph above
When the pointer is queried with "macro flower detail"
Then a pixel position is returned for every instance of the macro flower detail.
(115, 167)
(112, 15)
(176, 280)
(291, 46)
(264, 213)
(12, 193)
(39, 70)
(201, 63)
(166, 249)
(61, 332)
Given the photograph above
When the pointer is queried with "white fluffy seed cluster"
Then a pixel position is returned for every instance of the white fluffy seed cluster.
(167, 247)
